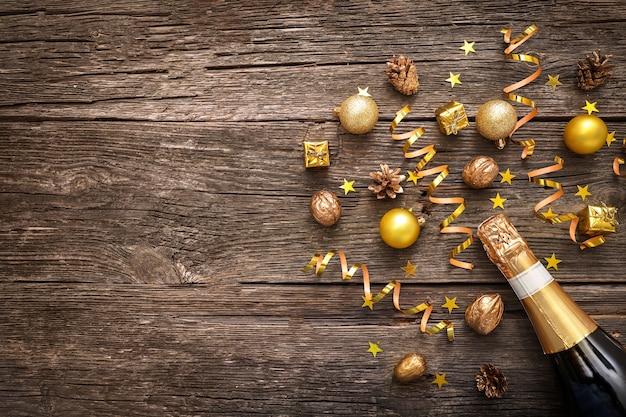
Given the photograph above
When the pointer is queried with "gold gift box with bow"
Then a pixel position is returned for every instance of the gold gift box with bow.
(597, 220)
(316, 154)
(451, 118)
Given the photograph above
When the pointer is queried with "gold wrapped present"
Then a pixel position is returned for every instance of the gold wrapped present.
(316, 154)
(597, 220)
(451, 118)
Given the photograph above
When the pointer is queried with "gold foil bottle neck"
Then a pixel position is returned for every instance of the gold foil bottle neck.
(505, 247)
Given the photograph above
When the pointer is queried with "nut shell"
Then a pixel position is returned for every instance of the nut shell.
(410, 367)
(480, 172)
(325, 208)
(485, 313)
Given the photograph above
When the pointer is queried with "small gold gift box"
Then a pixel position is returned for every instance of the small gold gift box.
(451, 118)
(597, 220)
(316, 154)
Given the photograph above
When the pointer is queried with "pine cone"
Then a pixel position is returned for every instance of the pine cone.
(403, 75)
(594, 72)
(491, 380)
(386, 182)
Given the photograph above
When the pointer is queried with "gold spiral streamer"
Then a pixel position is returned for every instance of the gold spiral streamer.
(529, 145)
(428, 153)
(532, 176)
(319, 262)
(554, 219)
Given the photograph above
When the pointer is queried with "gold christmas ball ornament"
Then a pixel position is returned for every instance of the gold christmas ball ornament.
(411, 367)
(480, 172)
(325, 208)
(485, 313)
(400, 228)
(358, 114)
(495, 120)
(585, 134)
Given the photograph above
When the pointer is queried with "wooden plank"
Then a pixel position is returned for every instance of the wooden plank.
(66, 63)
(104, 196)
(141, 350)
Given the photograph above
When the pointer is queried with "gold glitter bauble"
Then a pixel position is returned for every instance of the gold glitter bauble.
(358, 114)
(485, 313)
(411, 367)
(325, 208)
(480, 172)
(495, 120)
(399, 228)
(585, 134)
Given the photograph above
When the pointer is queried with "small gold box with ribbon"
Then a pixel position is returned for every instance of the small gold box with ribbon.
(316, 154)
(451, 118)
(597, 220)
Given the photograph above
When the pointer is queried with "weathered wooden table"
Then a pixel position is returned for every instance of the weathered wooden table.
(154, 204)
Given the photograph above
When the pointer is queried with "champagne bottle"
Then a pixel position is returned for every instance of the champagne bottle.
(590, 364)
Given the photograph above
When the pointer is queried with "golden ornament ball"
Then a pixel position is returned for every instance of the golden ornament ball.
(410, 367)
(585, 134)
(358, 114)
(400, 228)
(485, 313)
(325, 208)
(480, 172)
(495, 120)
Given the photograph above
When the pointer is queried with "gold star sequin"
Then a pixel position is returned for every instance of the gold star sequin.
(553, 262)
(507, 176)
(347, 186)
(468, 47)
(454, 79)
(363, 92)
(413, 177)
(367, 303)
(498, 201)
(549, 214)
(583, 192)
(374, 348)
(610, 138)
(409, 269)
(553, 81)
(440, 379)
(450, 304)
(590, 107)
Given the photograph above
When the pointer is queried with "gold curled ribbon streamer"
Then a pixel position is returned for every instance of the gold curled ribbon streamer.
(429, 152)
(529, 145)
(532, 176)
(319, 262)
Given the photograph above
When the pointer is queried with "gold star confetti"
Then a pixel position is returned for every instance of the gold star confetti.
(409, 269)
(454, 79)
(498, 201)
(553, 81)
(507, 176)
(553, 262)
(440, 379)
(583, 192)
(347, 186)
(363, 92)
(413, 177)
(590, 107)
(367, 303)
(468, 47)
(374, 348)
(450, 304)
(548, 214)
(610, 138)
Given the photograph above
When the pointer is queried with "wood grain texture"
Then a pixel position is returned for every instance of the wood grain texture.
(154, 204)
